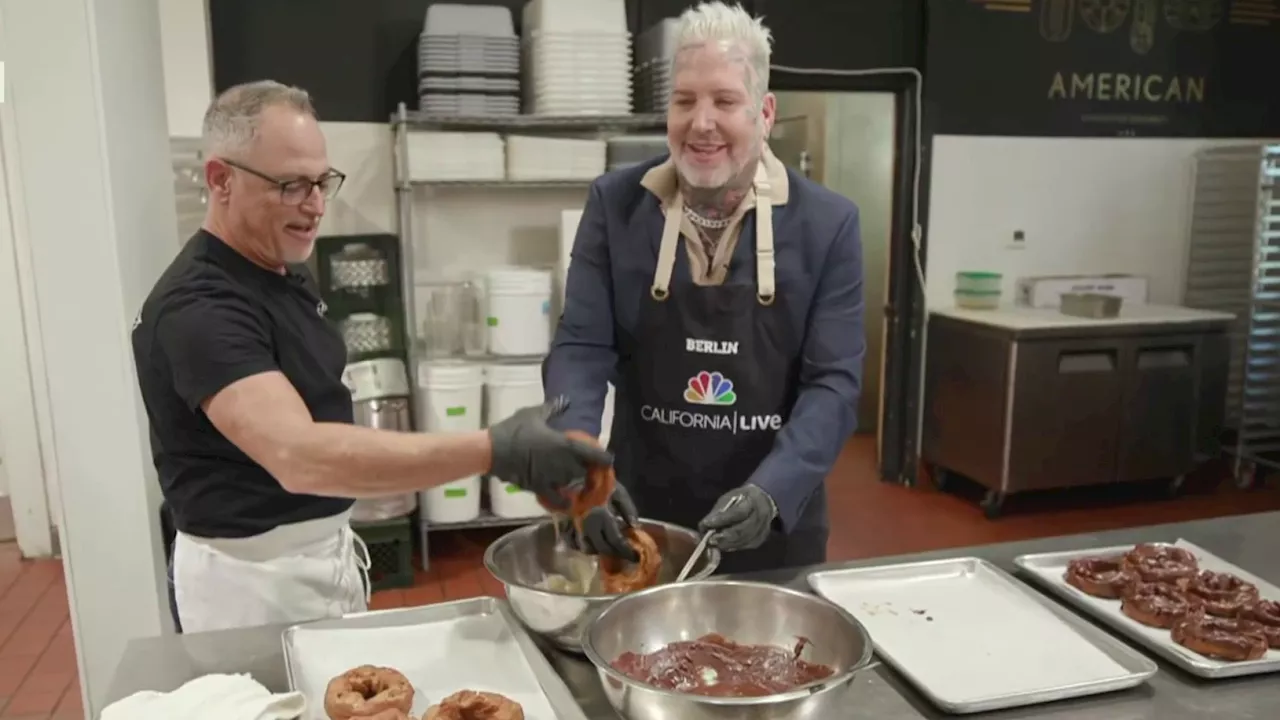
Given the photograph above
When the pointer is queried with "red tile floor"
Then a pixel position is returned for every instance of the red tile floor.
(37, 658)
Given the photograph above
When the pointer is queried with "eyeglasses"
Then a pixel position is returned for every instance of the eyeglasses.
(296, 192)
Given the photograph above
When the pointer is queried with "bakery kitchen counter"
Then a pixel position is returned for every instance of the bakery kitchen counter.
(1249, 542)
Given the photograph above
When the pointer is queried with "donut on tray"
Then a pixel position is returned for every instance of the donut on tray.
(475, 705)
(369, 692)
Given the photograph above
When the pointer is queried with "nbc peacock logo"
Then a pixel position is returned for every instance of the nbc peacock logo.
(710, 388)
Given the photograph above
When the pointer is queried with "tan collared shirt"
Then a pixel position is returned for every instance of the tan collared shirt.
(712, 269)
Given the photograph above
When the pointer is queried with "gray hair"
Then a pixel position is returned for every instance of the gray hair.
(231, 122)
(729, 25)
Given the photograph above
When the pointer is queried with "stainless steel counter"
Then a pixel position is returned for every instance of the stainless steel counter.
(1249, 541)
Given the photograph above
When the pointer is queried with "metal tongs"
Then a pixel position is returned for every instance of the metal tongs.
(702, 544)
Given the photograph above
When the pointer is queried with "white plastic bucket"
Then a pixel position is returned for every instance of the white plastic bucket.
(509, 388)
(519, 311)
(455, 502)
(508, 501)
(450, 395)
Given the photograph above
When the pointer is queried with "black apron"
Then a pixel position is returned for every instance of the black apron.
(712, 379)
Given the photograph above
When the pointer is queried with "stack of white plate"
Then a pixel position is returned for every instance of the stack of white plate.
(655, 48)
(456, 156)
(577, 57)
(541, 158)
(468, 61)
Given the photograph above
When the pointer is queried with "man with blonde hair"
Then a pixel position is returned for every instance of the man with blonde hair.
(737, 358)
(241, 376)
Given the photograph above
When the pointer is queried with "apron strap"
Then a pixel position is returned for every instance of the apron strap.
(766, 290)
(667, 250)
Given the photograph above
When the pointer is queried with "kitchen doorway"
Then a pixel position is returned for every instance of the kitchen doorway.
(847, 141)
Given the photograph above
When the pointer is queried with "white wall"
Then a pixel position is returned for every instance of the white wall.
(1085, 205)
(188, 77)
(89, 128)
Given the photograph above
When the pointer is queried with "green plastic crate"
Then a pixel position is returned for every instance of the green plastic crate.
(390, 544)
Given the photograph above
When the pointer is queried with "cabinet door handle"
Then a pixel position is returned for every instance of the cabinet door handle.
(1166, 357)
(1091, 361)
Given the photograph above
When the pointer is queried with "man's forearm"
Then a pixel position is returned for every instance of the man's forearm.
(339, 460)
(581, 374)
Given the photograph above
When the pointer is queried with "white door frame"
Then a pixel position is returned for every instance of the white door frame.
(26, 430)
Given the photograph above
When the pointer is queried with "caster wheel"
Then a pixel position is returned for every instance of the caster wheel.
(1246, 475)
(1175, 486)
(993, 505)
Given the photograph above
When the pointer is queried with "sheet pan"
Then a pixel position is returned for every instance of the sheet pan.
(971, 638)
(1047, 569)
(471, 644)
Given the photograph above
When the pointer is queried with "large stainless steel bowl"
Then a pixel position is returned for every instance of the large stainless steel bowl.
(744, 612)
(523, 559)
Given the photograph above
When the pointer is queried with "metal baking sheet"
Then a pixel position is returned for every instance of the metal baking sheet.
(471, 644)
(971, 638)
(1047, 569)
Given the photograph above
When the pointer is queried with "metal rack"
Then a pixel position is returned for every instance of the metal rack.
(1233, 265)
(405, 121)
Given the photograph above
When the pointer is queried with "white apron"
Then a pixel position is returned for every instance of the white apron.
(293, 573)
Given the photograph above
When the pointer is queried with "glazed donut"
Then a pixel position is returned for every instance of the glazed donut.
(1100, 577)
(1232, 639)
(369, 693)
(618, 576)
(475, 705)
(597, 488)
(1161, 563)
(1222, 594)
(1156, 604)
(1267, 614)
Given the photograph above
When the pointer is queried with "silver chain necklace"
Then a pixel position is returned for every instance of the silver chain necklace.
(705, 222)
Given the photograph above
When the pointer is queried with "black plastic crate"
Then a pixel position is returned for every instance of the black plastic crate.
(390, 544)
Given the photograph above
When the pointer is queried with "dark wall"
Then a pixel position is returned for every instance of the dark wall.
(1191, 68)
(1172, 68)
(358, 58)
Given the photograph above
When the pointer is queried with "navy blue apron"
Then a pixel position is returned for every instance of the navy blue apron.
(712, 378)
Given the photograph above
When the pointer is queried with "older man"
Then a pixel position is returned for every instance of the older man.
(241, 375)
(722, 295)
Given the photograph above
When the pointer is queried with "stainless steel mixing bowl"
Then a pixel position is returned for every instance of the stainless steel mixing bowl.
(523, 559)
(745, 612)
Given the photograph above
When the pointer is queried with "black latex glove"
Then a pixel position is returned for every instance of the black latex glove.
(746, 525)
(602, 527)
(529, 454)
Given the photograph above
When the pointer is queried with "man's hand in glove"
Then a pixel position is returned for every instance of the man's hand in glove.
(746, 525)
(602, 527)
(530, 455)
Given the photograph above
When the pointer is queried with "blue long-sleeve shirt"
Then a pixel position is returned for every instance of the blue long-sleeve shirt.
(818, 255)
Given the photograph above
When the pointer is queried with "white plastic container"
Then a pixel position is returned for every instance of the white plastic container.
(455, 502)
(508, 501)
(519, 311)
(450, 394)
(511, 387)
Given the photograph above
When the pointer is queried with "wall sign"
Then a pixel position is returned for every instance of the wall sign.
(1173, 68)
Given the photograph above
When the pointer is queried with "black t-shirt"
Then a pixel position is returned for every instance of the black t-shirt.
(214, 318)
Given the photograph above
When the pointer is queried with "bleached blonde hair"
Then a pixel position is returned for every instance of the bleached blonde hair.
(730, 25)
(231, 122)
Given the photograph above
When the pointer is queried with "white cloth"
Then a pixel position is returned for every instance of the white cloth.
(212, 697)
(294, 573)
